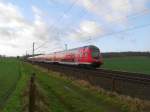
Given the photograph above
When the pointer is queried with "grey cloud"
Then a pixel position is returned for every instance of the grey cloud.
(20, 33)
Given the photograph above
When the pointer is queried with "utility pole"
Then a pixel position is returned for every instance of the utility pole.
(66, 47)
(26, 52)
(33, 48)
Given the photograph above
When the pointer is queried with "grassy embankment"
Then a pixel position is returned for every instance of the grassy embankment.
(12, 83)
(131, 64)
(9, 76)
(67, 95)
(61, 94)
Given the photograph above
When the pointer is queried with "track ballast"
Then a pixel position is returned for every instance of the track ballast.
(126, 83)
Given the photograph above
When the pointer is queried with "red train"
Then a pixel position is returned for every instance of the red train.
(86, 56)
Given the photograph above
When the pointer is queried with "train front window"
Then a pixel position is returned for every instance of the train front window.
(94, 52)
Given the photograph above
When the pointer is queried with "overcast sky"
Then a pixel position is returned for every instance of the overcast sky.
(112, 25)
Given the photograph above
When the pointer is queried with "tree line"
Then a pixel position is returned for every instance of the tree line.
(124, 54)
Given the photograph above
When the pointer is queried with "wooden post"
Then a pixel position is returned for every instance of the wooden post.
(32, 94)
(33, 49)
(113, 85)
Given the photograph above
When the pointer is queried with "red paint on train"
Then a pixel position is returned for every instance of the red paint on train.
(87, 55)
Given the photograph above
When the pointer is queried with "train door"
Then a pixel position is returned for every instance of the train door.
(85, 55)
(76, 56)
(81, 56)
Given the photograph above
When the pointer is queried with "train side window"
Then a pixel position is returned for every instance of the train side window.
(86, 54)
(80, 54)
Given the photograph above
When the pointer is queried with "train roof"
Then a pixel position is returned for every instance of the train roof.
(88, 46)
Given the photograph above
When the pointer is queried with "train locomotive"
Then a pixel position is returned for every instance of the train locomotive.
(82, 56)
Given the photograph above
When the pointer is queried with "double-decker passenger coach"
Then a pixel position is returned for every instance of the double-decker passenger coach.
(82, 56)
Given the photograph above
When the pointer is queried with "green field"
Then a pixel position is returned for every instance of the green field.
(131, 64)
(9, 75)
(12, 83)
(54, 92)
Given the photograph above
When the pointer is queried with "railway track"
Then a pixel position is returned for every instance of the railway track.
(134, 74)
(132, 84)
(121, 75)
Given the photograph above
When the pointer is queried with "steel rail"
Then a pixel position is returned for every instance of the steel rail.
(131, 84)
(119, 75)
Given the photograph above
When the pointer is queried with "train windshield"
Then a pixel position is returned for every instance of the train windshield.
(95, 52)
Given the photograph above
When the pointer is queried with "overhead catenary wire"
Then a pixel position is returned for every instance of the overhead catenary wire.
(71, 6)
(135, 15)
(132, 15)
(58, 20)
(122, 31)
